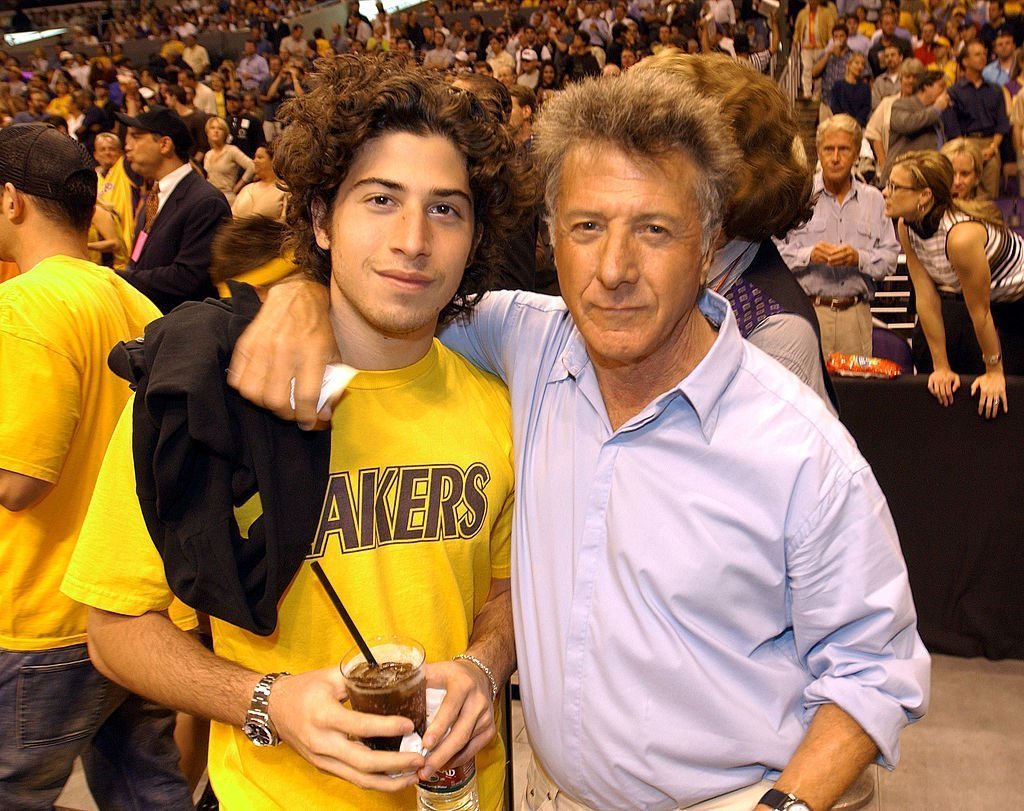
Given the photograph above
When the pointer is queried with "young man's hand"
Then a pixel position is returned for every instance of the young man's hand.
(467, 711)
(307, 712)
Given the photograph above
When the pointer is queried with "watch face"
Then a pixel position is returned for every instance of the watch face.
(798, 806)
(257, 733)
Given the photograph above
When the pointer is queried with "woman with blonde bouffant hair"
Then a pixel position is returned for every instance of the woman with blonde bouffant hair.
(771, 195)
(967, 269)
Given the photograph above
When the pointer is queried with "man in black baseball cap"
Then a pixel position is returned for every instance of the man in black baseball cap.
(170, 252)
(58, 406)
(40, 161)
(163, 122)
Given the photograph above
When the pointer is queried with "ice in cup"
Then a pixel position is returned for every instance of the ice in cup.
(396, 687)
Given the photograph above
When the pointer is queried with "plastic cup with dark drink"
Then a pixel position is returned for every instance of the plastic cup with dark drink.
(396, 687)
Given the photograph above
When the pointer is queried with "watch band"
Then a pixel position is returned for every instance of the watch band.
(258, 727)
(780, 800)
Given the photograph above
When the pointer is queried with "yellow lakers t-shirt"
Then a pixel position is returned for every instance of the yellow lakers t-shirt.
(414, 525)
(58, 406)
(115, 191)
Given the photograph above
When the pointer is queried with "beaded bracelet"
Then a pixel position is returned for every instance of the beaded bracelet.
(484, 668)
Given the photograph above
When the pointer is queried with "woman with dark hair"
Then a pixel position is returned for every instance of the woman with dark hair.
(968, 274)
(771, 196)
(550, 81)
(264, 197)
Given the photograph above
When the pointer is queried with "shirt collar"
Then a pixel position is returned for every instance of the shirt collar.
(170, 181)
(819, 187)
(704, 386)
(729, 263)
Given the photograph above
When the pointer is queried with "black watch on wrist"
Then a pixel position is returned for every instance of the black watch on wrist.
(257, 726)
(781, 801)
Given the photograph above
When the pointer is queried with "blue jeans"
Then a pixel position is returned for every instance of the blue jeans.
(54, 707)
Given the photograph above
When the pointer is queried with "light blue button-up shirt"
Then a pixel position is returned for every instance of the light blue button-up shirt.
(859, 221)
(688, 588)
(995, 73)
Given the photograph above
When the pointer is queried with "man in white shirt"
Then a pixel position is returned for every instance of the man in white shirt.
(529, 69)
(195, 55)
(203, 98)
(293, 46)
(722, 12)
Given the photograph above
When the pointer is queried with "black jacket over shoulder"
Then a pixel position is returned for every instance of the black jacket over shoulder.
(201, 449)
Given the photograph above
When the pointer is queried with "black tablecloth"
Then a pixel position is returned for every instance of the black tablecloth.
(955, 485)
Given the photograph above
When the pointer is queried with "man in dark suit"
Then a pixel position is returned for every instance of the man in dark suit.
(170, 254)
(246, 130)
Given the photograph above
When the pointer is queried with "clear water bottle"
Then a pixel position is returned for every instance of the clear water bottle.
(450, 790)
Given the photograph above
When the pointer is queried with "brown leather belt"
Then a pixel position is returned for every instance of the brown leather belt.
(843, 303)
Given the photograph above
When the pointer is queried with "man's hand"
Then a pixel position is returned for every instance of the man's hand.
(844, 256)
(942, 383)
(307, 713)
(291, 337)
(989, 152)
(821, 252)
(991, 388)
(467, 711)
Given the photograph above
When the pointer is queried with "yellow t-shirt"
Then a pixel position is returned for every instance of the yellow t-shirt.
(59, 105)
(58, 405)
(172, 46)
(415, 524)
(115, 190)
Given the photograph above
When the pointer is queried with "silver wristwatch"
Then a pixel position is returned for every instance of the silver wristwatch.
(257, 726)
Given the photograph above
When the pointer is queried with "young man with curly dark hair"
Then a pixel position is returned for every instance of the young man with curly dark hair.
(402, 191)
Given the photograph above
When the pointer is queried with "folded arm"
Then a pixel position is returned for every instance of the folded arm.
(831, 756)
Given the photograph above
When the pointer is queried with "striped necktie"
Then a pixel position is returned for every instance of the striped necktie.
(152, 205)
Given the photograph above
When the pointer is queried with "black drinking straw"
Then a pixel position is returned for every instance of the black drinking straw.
(358, 637)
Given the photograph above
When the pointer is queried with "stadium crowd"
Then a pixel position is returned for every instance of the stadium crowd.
(212, 168)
